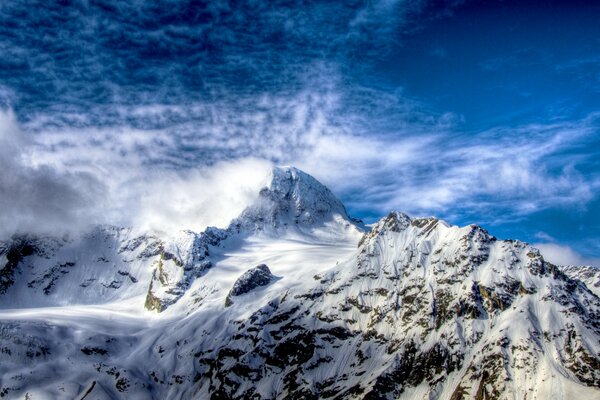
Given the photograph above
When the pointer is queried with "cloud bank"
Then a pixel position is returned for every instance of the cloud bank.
(57, 195)
(565, 255)
(40, 198)
(199, 198)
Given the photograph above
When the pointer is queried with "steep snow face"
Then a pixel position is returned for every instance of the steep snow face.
(414, 308)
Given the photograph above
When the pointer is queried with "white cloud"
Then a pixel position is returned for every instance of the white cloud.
(564, 255)
(198, 198)
(39, 198)
(68, 180)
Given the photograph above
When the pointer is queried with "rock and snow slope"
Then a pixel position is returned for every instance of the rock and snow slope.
(412, 308)
(589, 275)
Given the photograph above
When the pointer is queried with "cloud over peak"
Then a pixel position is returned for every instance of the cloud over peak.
(40, 198)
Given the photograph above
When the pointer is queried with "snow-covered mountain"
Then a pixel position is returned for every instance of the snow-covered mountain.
(295, 299)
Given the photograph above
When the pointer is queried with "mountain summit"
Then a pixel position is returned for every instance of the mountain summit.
(291, 198)
(296, 300)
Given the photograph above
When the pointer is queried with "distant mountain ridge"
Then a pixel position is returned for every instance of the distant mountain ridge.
(295, 299)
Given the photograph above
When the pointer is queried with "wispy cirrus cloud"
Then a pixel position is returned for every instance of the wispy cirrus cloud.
(503, 173)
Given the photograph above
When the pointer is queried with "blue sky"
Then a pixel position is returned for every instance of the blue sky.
(474, 111)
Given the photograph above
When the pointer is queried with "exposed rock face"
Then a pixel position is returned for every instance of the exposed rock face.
(11, 254)
(250, 280)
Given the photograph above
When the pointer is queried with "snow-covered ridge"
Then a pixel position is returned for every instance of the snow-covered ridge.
(414, 308)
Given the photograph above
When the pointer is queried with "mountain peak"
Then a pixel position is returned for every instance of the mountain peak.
(291, 197)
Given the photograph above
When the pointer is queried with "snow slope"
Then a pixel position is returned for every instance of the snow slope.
(413, 308)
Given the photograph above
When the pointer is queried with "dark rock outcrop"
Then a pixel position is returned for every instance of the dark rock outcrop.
(250, 280)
